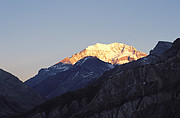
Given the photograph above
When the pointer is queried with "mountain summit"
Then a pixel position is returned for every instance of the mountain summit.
(115, 53)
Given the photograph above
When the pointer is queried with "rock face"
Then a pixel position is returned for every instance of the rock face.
(143, 90)
(84, 72)
(161, 47)
(47, 72)
(115, 53)
(15, 96)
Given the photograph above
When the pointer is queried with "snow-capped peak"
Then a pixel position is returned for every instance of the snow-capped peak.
(105, 47)
(114, 53)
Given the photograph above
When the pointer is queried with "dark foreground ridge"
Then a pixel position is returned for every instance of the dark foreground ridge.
(15, 96)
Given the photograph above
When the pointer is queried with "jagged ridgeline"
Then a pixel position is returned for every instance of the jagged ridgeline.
(146, 88)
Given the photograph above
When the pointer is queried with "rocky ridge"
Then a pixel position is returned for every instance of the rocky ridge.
(47, 72)
(161, 47)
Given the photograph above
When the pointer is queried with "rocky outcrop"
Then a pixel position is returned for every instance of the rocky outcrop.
(161, 47)
(15, 96)
(115, 53)
(150, 90)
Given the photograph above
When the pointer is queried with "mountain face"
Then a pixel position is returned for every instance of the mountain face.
(84, 72)
(15, 96)
(161, 47)
(115, 53)
(47, 72)
(140, 89)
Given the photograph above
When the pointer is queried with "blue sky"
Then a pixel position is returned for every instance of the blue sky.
(39, 33)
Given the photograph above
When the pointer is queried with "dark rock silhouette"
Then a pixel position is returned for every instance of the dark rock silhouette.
(15, 96)
(161, 47)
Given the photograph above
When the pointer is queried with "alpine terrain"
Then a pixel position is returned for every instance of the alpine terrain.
(82, 68)
(146, 88)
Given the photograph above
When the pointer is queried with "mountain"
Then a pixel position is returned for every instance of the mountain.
(84, 72)
(115, 53)
(47, 72)
(15, 96)
(134, 90)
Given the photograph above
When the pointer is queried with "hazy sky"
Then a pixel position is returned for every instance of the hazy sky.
(39, 33)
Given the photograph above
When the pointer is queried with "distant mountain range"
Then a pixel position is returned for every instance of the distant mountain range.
(82, 68)
(146, 88)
